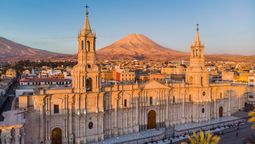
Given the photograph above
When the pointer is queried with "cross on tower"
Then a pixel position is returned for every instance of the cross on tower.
(197, 27)
(87, 7)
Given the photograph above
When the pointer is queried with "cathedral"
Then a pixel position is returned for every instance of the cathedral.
(89, 112)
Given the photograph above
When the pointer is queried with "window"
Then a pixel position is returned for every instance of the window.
(90, 125)
(201, 81)
(203, 110)
(56, 108)
(204, 93)
(82, 44)
(151, 102)
(89, 84)
(89, 66)
(88, 45)
(125, 102)
(196, 52)
(173, 99)
(190, 97)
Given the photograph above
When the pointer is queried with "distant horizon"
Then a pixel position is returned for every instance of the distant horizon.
(226, 28)
(136, 33)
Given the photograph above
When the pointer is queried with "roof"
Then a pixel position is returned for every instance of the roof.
(44, 80)
(152, 84)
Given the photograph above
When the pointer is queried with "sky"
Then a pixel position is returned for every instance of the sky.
(226, 26)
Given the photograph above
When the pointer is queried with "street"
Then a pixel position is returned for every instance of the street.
(231, 138)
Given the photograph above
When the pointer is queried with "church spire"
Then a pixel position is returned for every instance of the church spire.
(197, 38)
(86, 27)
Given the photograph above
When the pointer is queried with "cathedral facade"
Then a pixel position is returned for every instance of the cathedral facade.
(89, 112)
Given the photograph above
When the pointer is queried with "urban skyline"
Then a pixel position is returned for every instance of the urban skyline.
(135, 90)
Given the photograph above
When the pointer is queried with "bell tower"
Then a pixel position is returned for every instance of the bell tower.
(86, 43)
(86, 74)
(196, 74)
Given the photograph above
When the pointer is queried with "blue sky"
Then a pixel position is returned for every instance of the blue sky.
(226, 26)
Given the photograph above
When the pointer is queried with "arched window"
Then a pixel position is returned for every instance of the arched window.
(82, 44)
(90, 125)
(88, 45)
(202, 81)
(173, 99)
(89, 84)
(89, 66)
(203, 110)
(204, 93)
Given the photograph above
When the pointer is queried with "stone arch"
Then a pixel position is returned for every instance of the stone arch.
(221, 111)
(151, 119)
(56, 136)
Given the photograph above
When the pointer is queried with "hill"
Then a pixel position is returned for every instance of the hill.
(137, 46)
(12, 51)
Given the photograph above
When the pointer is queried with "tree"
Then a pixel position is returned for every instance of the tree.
(203, 138)
(252, 119)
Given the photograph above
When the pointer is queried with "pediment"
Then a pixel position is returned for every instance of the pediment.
(152, 84)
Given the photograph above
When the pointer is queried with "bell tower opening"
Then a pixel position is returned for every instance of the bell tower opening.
(88, 46)
(89, 84)
(82, 44)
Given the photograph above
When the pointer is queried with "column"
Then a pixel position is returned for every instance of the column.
(8, 136)
(3, 137)
(17, 136)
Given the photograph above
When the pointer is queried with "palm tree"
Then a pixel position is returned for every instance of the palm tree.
(252, 118)
(203, 138)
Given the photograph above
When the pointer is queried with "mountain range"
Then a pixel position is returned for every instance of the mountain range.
(12, 51)
(133, 46)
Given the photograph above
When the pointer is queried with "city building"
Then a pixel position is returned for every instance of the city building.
(90, 112)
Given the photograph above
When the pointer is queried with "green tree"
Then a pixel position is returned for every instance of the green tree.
(203, 138)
